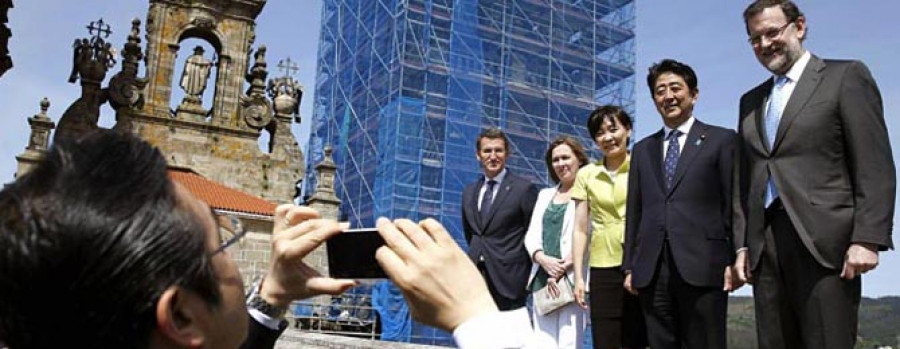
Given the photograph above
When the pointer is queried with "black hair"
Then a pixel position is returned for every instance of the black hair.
(492, 133)
(607, 112)
(790, 9)
(89, 241)
(675, 67)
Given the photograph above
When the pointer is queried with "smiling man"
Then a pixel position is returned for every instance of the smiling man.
(99, 249)
(678, 237)
(496, 212)
(816, 184)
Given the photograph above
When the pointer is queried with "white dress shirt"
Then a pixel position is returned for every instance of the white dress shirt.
(498, 179)
(793, 75)
(685, 128)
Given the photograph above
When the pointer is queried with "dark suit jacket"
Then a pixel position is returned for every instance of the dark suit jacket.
(695, 214)
(500, 240)
(261, 337)
(831, 163)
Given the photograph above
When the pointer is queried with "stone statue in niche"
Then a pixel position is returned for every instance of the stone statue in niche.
(196, 72)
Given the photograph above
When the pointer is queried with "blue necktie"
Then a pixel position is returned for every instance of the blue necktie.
(672, 154)
(777, 102)
(487, 200)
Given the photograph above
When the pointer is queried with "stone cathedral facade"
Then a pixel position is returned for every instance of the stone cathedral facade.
(219, 142)
(216, 140)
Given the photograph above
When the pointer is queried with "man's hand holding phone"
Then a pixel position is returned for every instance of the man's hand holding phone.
(297, 232)
(441, 285)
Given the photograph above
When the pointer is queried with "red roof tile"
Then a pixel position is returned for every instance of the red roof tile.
(219, 196)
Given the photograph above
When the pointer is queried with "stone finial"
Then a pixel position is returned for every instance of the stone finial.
(45, 105)
(324, 199)
(327, 159)
(325, 173)
(94, 56)
(132, 52)
(258, 73)
(38, 142)
(41, 125)
(125, 88)
(255, 108)
(286, 91)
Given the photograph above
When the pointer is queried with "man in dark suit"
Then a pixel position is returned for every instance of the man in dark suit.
(496, 212)
(678, 237)
(815, 185)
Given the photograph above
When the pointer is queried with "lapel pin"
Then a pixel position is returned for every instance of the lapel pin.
(700, 140)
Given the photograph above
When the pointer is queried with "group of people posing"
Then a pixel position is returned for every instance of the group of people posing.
(798, 202)
(99, 248)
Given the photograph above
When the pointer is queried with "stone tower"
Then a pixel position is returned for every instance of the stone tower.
(220, 143)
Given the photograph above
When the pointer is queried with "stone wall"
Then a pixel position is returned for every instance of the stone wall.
(253, 252)
(230, 158)
(294, 339)
(252, 256)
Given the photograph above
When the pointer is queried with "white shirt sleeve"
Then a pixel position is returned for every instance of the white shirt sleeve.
(505, 329)
(264, 319)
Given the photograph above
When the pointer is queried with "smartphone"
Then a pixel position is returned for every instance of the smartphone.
(351, 254)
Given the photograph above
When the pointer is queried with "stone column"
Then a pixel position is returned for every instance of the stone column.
(328, 204)
(324, 199)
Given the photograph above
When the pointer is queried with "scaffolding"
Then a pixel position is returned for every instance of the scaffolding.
(404, 87)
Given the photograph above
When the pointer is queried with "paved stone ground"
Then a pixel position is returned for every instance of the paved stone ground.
(294, 339)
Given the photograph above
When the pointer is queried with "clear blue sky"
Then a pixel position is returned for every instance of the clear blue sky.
(707, 34)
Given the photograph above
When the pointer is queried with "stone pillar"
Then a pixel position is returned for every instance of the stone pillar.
(324, 199)
(41, 125)
(328, 204)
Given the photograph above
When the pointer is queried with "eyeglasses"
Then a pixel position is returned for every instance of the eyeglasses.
(770, 34)
(230, 231)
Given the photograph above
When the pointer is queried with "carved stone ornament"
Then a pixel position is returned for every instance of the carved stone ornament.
(125, 88)
(256, 110)
(40, 128)
(204, 22)
(92, 57)
(286, 93)
(285, 90)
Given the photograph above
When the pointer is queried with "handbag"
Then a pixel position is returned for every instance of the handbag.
(544, 302)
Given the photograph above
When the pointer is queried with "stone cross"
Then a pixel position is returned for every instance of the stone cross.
(98, 28)
(288, 67)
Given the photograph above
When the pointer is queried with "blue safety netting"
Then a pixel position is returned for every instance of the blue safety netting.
(404, 87)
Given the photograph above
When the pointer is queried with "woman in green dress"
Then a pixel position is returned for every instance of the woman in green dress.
(549, 243)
